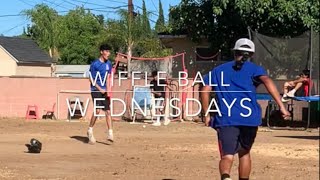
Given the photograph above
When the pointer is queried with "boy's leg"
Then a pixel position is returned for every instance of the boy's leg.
(158, 112)
(93, 119)
(228, 146)
(286, 88)
(294, 90)
(108, 118)
(246, 138)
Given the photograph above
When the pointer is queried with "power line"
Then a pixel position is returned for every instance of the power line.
(91, 9)
(59, 4)
(85, 2)
(26, 3)
(151, 12)
(155, 7)
(70, 3)
(99, 4)
(6, 31)
(11, 15)
(116, 2)
(55, 4)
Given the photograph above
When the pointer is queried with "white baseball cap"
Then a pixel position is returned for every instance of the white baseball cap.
(244, 44)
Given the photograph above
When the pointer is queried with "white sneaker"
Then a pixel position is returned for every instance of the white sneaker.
(291, 93)
(166, 122)
(91, 138)
(156, 123)
(110, 137)
(227, 179)
(285, 99)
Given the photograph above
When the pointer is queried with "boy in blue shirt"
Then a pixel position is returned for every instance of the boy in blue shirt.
(101, 67)
(238, 113)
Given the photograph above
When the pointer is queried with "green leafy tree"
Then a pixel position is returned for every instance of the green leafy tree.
(145, 20)
(44, 27)
(160, 24)
(78, 36)
(224, 21)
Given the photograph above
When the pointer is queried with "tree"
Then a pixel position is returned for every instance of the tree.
(145, 20)
(78, 37)
(43, 28)
(224, 21)
(160, 24)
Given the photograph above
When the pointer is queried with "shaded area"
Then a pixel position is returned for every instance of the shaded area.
(105, 143)
(83, 139)
(301, 137)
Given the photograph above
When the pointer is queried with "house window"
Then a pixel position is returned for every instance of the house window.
(206, 54)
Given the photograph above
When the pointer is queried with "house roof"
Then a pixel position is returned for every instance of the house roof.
(24, 50)
(169, 36)
(71, 68)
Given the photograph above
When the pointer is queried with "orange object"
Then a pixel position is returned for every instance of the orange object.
(32, 112)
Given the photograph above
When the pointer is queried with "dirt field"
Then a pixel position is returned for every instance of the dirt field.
(178, 151)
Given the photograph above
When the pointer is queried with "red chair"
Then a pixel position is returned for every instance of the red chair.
(50, 113)
(32, 112)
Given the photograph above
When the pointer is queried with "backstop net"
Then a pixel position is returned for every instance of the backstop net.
(170, 67)
(286, 58)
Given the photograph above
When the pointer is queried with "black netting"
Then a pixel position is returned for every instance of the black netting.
(286, 58)
(282, 58)
(315, 62)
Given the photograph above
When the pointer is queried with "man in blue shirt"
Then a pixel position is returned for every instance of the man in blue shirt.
(238, 114)
(100, 72)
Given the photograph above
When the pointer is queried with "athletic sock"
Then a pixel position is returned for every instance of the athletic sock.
(224, 176)
(90, 129)
(110, 131)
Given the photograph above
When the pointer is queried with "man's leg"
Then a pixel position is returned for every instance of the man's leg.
(246, 139)
(244, 164)
(225, 165)
(228, 146)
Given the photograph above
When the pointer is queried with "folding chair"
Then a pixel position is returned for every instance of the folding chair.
(142, 99)
(50, 113)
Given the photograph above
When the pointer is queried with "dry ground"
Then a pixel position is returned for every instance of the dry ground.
(178, 151)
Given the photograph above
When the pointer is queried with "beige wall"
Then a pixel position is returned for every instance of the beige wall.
(7, 64)
(34, 70)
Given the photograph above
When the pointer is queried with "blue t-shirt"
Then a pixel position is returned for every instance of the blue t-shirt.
(103, 68)
(239, 88)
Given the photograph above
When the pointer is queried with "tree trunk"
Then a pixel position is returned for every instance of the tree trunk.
(129, 58)
(50, 52)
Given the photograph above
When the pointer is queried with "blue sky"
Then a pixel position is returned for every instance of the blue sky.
(13, 25)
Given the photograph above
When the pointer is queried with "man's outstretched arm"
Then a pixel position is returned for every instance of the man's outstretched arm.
(272, 89)
(205, 98)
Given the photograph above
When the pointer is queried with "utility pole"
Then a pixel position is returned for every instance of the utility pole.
(130, 39)
(130, 8)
